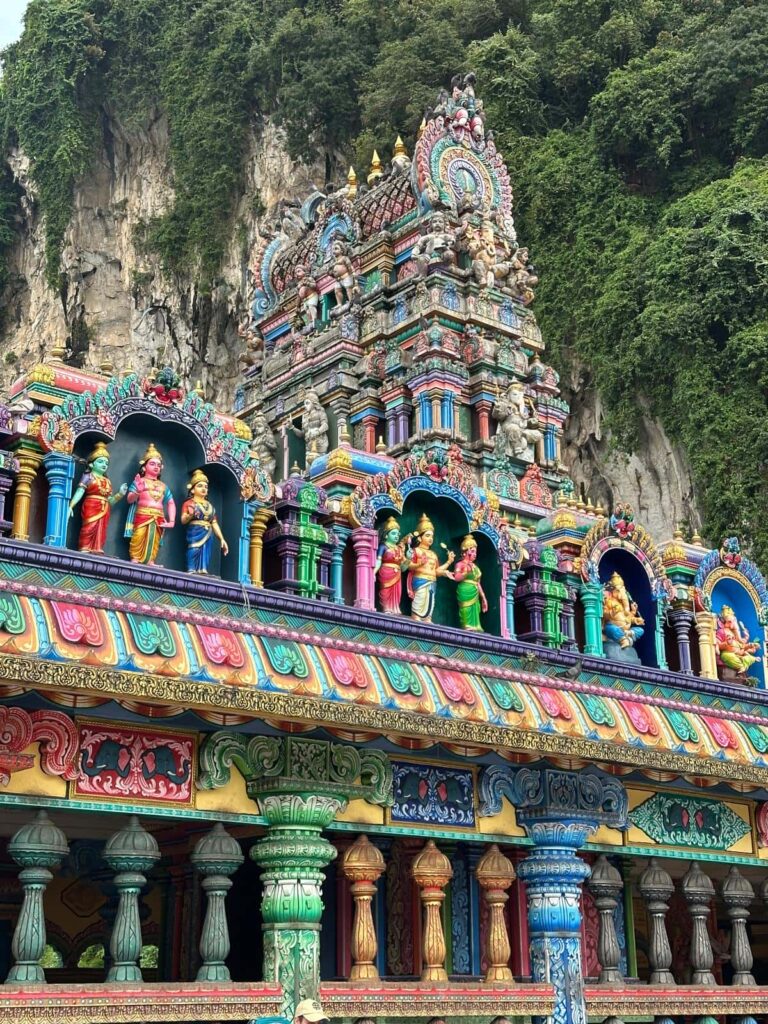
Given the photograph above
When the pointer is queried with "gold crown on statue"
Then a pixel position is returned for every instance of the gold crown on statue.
(196, 478)
(468, 542)
(99, 452)
(150, 453)
(391, 524)
(425, 523)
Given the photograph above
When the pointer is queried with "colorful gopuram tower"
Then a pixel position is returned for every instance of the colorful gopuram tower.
(347, 696)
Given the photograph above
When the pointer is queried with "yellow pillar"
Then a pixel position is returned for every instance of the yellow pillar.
(705, 627)
(29, 463)
(261, 519)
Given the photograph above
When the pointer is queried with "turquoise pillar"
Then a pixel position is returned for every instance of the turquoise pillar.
(661, 654)
(244, 548)
(559, 811)
(36, 848)
(592, 599)
(340, 536)
(60, 471)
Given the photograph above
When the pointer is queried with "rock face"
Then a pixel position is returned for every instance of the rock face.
(655, 479)
(118, 306)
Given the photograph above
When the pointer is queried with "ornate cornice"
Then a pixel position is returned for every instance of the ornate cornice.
(258, 703)
(107, 1004)
(683, 1000)
(459, 1001)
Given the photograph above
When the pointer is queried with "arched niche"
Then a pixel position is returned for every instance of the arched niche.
(625, 563)
(182, 453)
(729, 589)
(451, 524)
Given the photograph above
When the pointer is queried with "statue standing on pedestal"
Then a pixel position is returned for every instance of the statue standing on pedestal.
(152, 509)
(391, 559)
(423, 571)
(469, 593)
(314, 425)
(95, 491)
(199, 517)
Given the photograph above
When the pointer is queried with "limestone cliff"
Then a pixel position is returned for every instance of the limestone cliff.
(117, 306)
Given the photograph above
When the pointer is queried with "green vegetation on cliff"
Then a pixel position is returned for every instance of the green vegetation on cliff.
(636, 133)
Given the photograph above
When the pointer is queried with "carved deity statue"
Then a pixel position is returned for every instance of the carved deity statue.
(314, 426)
(152, 509)
(423, 571)
(438, 245)
(252, 355)
(518, 428)
(199, 517)
(263, 445)
(469, 593)
(734, 648)
(522, 278)
(391, 559)
(95, 491)
(343, 272)
(622, 622)
(309, 295)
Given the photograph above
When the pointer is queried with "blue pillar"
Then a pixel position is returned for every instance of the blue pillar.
(341, 536)
(661, 654)
(559, 810)
(243, 554)
(60, 471)
(509, 600)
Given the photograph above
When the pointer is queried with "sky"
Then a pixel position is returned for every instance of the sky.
(11, 13)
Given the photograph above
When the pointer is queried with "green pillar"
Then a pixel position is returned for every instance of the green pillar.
(300, 785)
(216, 857)
(592, 599)
(129, 852)
(36, 848)
(293, 855)
(661, 654)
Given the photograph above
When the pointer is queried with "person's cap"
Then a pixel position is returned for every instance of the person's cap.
(310, 1010)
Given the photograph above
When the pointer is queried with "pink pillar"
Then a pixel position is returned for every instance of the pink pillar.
(364, 543)
(484, 419)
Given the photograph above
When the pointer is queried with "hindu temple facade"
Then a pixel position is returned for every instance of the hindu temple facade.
(346, 694)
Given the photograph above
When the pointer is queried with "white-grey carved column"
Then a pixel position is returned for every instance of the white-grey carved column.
(656, 888)
(699, 892)
(738, 894)
(606, 885)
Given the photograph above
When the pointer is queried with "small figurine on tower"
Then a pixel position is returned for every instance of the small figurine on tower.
(96, 490)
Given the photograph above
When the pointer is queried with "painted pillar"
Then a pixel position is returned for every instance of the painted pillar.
(509, 581)
(369, 428)
(60, 471)
(568, 620)
(661, 654)
(292, 856)
(261, 518)
(592, 599)
(215, 857)
(364, 542)
(705, 627)
(682, 620)
(28, 461)
(341, 535)
(558, 810)
(36, 848)
(244, 545)
(362, 865)
(483, 408)
(6, 481)
(129, 852)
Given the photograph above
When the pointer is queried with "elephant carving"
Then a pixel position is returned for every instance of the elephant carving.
(162, 761)
(111, 756)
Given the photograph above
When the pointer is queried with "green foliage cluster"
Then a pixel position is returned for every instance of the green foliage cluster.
(636, 133)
